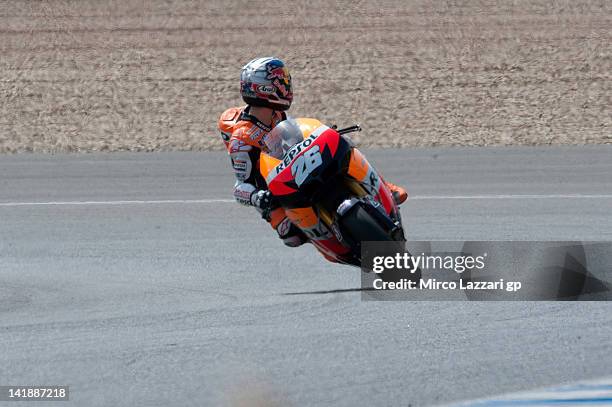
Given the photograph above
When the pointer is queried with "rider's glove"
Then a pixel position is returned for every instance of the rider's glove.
(264, 202)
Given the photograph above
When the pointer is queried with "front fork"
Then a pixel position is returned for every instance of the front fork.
(355, 189)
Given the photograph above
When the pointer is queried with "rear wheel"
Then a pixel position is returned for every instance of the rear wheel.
(362, 227)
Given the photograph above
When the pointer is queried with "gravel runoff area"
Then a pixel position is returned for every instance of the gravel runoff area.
(93, 75)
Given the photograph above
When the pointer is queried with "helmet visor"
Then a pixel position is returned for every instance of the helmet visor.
(285, 135)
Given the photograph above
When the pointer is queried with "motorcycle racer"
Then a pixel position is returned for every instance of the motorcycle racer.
(266, 88)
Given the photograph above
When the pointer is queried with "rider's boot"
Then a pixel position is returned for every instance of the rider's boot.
(399, 193)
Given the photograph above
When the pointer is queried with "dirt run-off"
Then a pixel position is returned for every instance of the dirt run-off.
(130, 75)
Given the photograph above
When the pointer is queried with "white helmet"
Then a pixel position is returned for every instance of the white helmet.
(266, 82)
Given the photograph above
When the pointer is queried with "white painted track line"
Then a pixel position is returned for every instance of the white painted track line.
(512, 196)
(147, 202)
(220, 200)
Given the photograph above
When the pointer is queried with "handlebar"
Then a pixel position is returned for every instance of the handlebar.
(349, 129)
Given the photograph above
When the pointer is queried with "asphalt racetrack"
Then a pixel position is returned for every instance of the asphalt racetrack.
(135, 280)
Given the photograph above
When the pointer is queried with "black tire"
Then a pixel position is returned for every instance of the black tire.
(362, 227)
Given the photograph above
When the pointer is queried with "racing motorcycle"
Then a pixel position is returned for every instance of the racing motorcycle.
(328, 189)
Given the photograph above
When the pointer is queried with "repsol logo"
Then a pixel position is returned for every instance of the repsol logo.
(294, 151)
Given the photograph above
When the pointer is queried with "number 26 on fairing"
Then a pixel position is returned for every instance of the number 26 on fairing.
(305, 164)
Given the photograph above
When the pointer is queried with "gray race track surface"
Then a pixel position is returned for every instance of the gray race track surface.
(184, 304)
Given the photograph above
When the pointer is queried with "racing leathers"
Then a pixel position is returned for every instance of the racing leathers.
(243, 135)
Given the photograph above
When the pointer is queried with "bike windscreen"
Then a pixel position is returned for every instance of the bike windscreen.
(285, 135)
